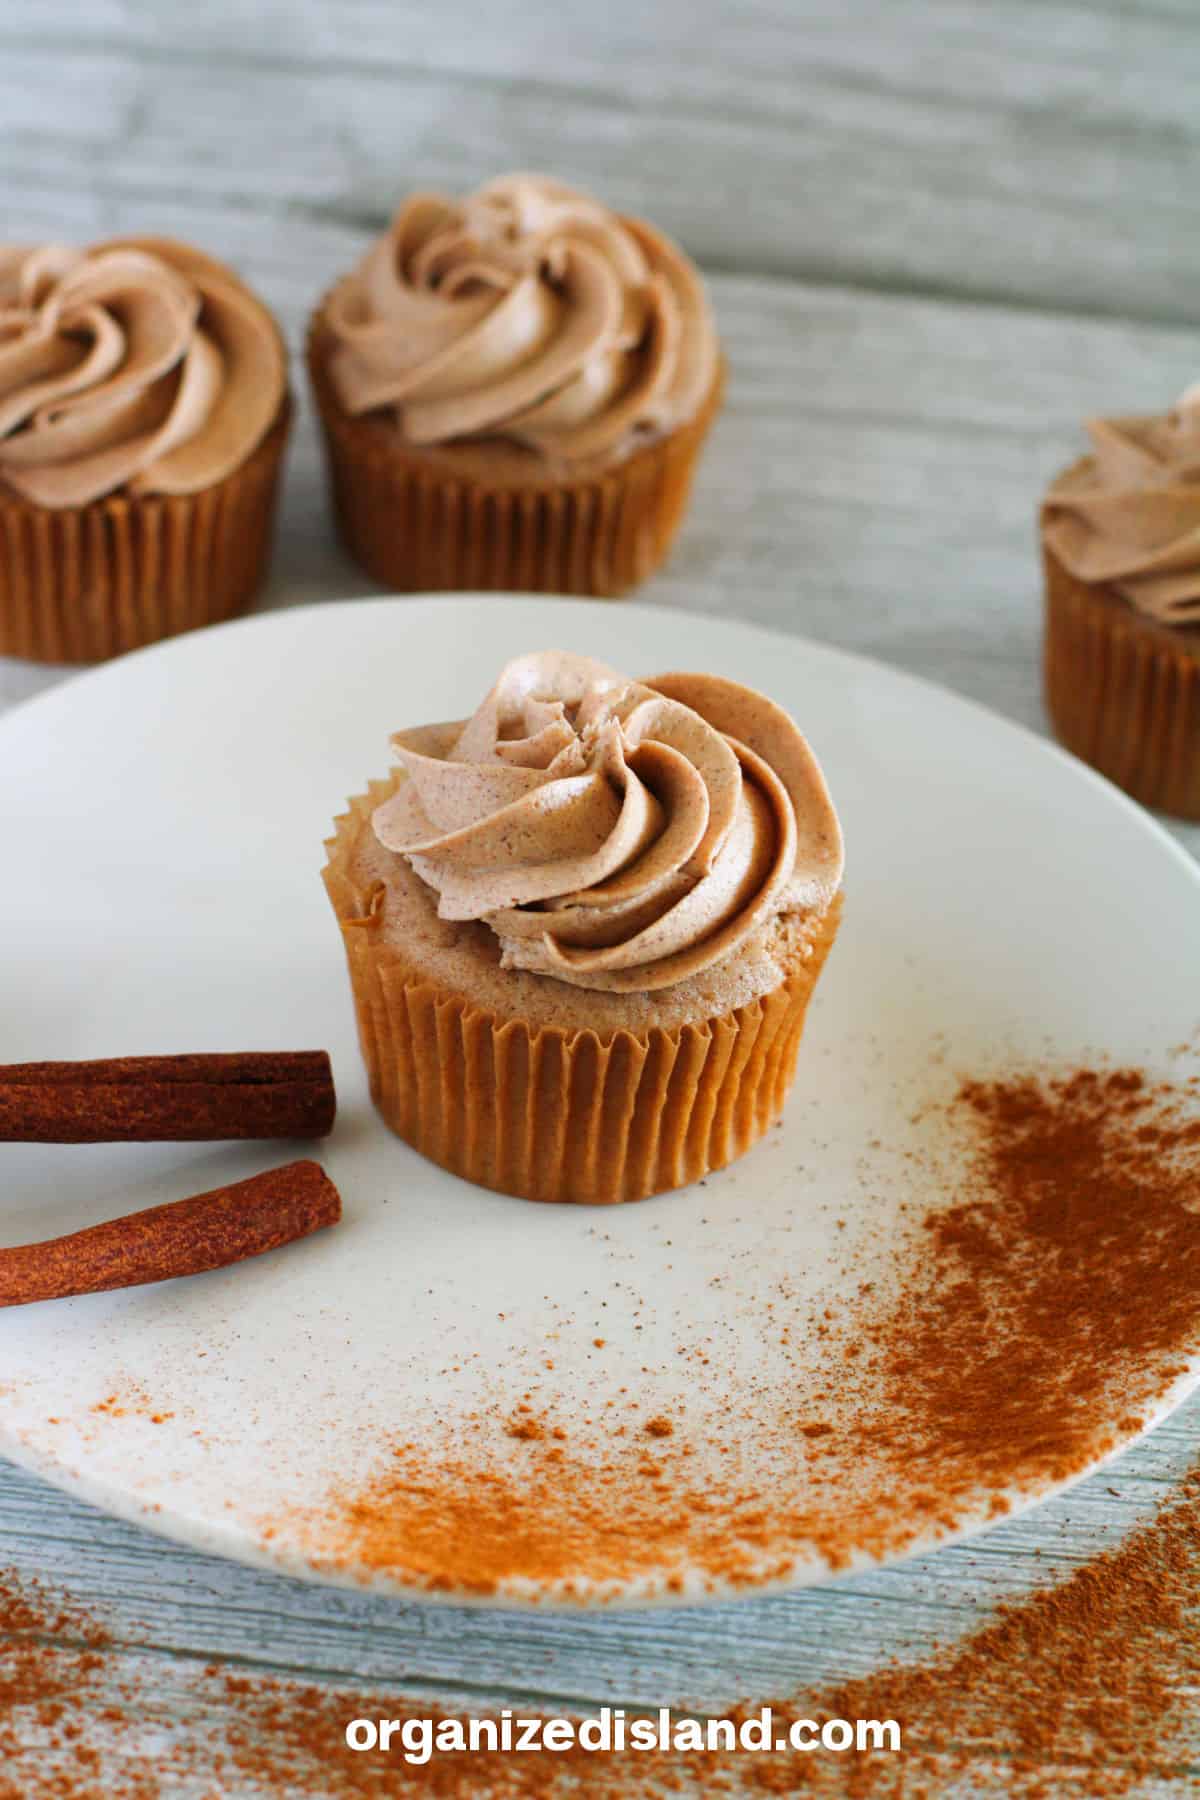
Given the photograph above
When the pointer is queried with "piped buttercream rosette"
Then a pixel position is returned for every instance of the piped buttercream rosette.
(1129, 514)
(615, 834)
(527, 312)
(138, 365)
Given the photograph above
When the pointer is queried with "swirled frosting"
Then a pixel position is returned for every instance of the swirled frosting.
(527, 312)
(1129, 514)
(136, 364)
(615, 834)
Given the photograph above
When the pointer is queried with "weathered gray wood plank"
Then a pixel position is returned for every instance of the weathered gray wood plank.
(930, 228)
(1041, 153)
(166, 1600)
(872, 480)
(144, 1714)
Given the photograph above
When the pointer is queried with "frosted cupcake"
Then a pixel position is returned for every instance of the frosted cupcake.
(1121, 544)
(584, 925)
(143, 417)
(515, 388)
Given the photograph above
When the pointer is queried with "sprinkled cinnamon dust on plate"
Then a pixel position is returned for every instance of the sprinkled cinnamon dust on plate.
(131, 1401)
(1058, 1285)
(1082, 1692)
(1045, 1303)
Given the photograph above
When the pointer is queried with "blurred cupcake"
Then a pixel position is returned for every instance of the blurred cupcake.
(515, 389)
(583, 928)
(1121, 543)
(143, 416)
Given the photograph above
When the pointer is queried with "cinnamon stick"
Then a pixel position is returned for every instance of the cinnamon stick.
(253, 1094)
(185, 1237)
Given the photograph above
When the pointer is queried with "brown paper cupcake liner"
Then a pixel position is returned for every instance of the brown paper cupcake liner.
(79, 584)
(1123, 692)
(413, 524)
(551, 1114)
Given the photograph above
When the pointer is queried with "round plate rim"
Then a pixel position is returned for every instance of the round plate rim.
(211, 1537)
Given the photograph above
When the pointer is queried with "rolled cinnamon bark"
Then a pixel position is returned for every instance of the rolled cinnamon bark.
(253, 1094)
(185, 1237)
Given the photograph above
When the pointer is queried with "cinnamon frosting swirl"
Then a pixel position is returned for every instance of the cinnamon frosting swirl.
(1129, 514)
(137, 364)
(615, 834)
(527, 313)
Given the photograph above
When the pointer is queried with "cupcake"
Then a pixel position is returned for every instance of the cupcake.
(143, 416)
(1121, 544)
(584, 925)
(514, 389)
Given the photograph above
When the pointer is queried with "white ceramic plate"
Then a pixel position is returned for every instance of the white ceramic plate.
(163, 820)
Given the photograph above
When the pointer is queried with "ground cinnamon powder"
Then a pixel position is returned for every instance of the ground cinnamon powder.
(1082, 1692)
(1040, 1309)
(1057, 1293)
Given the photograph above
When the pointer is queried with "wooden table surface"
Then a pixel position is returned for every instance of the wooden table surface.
(938, 234)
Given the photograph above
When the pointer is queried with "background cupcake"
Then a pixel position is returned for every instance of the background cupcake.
(584, 925)
(1121, 539)
(143, 417)
(515, 388)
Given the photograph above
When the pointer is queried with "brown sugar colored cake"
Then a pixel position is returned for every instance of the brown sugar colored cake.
(514, 388)
(584, 925)
(143, 417)
(1121, 549)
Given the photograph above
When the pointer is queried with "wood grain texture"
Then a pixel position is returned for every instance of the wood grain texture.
(1041, 152)
(159, 1597)
(171, 1612)
(872, 480)
(938, 236)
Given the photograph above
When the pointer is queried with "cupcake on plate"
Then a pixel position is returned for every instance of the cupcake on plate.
(583, 927)
(1121, 546)
(143, 416)
(515, 388)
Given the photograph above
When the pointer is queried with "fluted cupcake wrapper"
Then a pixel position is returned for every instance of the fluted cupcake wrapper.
(1123, 693)
(78, 584)
(414, 526)
(551, 1114)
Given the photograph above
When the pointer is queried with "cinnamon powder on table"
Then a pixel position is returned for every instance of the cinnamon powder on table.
(1059, 1291)
(1044, 1305)
(1084, 1691)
